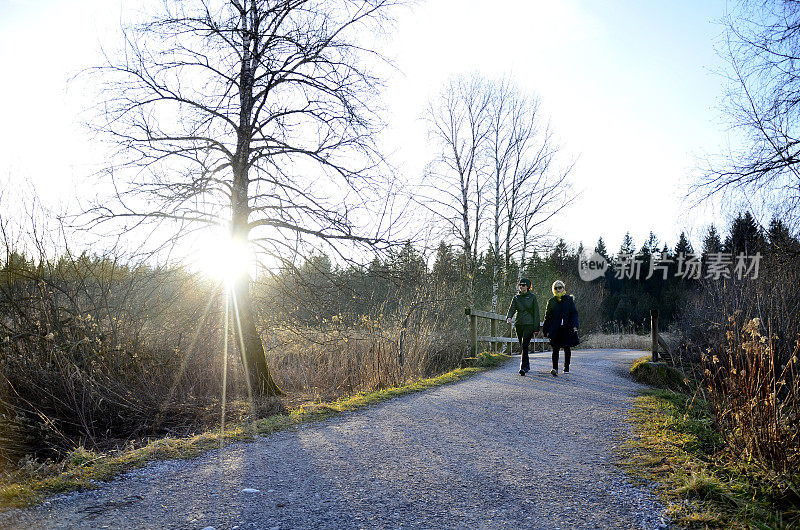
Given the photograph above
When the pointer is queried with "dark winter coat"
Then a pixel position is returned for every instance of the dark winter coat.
(560, 318)
(526, 306)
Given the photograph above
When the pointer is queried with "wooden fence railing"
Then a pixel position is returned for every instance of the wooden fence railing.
(657, 342)
(492, 338)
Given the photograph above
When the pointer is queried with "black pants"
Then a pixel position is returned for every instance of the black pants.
(567, 355)
(524, 334)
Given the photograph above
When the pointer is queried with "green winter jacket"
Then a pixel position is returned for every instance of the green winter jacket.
(527, 309)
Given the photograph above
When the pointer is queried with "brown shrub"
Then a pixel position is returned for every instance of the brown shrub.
(756, 398)
(92, 352)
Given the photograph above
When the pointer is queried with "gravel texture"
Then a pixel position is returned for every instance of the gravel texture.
(494, 451)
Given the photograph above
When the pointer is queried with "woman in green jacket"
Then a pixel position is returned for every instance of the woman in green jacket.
(526, 307)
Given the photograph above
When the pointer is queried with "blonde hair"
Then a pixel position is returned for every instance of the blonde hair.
(556, 284)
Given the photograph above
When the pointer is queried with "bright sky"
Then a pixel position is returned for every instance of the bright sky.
(628, 87)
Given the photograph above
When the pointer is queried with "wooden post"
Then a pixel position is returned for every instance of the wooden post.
(493, 325)
(654, 333)
(473, 334)
(541, 330)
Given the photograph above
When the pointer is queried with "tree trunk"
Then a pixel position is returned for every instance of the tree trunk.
(524, 249)
(496, 250)
(467, 243)
(253, 358)
(252, 350)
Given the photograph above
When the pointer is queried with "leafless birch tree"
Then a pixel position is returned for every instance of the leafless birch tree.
(517, 145)
(547, 192)
(499, 176)
(455, 179)
(532, 175)
(530, 182)
(257, 115)
(500, 170)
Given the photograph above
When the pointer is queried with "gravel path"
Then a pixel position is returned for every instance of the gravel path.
(494, 451)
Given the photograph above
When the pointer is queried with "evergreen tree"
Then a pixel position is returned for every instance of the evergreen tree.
(651, 245)
(408, 264)
(745, 236)
(649, 248)
(627, 246)
(781, 240)
(600, 248)
(559, 256)
(684, 246)
(15, 268)
(778, 232)
(445, 267)
(712, 242)
(574, 258)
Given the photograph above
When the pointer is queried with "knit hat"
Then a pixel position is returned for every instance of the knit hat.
(525, 281)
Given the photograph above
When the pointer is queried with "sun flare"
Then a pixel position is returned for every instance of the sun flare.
(223, 258)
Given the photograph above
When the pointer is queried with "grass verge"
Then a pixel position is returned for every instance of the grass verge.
(676, 447)
(84, 469)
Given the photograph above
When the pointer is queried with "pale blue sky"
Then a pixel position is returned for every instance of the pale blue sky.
(627, 85)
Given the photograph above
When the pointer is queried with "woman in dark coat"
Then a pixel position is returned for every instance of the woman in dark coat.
(526, 307)
(561, 325)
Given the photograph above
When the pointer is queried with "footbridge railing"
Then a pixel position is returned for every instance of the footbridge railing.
(493, 339)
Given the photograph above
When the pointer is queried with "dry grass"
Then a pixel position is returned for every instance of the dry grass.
(729, 461)
(95, 353)
(623, 341)
(756, 402)
(676, 447)
(101, 355)
(360, 359)
(116, 356)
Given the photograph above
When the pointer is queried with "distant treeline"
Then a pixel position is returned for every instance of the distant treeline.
(318, 291)
(620, 300)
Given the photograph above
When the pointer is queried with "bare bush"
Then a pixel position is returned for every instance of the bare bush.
(772, 297)
(93, 351)
(756, 400)
(361, 359)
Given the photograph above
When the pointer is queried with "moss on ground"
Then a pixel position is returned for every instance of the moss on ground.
(676, 447)
(659, 375)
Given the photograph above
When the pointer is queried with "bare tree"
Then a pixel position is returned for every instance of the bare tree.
(762, 49)
(257, 115)
(548, 192)
(499, 164)
(455, 179)
(526, 192)
(506, 130)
